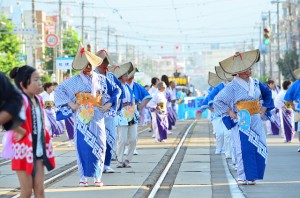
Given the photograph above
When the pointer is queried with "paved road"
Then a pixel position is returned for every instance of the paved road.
(195, 172)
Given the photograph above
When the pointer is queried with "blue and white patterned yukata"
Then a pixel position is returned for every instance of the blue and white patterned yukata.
(251, 148)
(140, 95)
(110, 126)
(90, 138)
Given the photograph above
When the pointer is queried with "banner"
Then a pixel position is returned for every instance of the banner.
(192, 107)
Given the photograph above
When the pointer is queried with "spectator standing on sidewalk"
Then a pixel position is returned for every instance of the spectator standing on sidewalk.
(32, 150)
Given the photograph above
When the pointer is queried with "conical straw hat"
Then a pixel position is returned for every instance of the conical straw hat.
(132, 70)
(297, 73)
(83, 57)
(120, 70)
(240, 62)
(228, 76)
(213, 79)
(220, 73)
(104, 55)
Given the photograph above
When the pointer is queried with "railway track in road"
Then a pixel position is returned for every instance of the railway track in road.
(7, 161)
(165, 168)
(55, 175)
(166, 171)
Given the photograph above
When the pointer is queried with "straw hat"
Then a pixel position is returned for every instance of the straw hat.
(120, 70)
(220, 73)
(223, 75)
(83, 57)
(297, 73)
(104, 55)
(213, 79)
(132, 70)
(240, 62)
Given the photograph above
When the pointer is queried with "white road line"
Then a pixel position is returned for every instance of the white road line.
(164, 173)
(235, 191)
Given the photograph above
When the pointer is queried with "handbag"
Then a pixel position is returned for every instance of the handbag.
(63, 112)
(7, 151)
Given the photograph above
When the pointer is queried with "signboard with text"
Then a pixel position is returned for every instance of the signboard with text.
(64, 63)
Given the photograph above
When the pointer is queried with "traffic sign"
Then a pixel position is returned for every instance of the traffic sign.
(51, 40)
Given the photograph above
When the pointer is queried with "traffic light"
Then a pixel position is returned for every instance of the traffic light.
(266, 36)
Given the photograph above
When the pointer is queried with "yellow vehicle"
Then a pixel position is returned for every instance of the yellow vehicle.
(182, 80)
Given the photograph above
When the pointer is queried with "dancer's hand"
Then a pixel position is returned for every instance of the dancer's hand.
(73, 106)
(232, 114)
(262, 112)
(105, 107)
(19, 133)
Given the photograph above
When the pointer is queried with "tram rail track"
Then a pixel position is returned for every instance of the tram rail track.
(53, 176)
(159, 173)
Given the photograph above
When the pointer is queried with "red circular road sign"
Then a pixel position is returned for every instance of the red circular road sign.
(51, 40)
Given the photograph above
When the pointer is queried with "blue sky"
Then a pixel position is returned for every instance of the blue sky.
(160, 25)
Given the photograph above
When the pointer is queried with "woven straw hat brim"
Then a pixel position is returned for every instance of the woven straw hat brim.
(93, 59)
(229, 77)
(103, 54)
(119, 71)
(220, 73)
(82, 59)
(240, 62)
(297, 73)
(213, 79)
(132, 71)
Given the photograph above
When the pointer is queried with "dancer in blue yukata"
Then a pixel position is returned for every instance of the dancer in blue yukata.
(292, 97)
(142, 97)
(92, 96)
(110, 126)
(241, 100)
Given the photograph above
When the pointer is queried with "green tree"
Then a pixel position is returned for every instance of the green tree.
(288, 64)
(70, 46)
(9, 46)
(45, 78)
(70, 42)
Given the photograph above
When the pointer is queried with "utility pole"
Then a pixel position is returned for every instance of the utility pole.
(60, 29)
(290, 26)
(82, 20)
(126, 52)
(108, 32)
(117, 47)
(95, 35)
(278, 43)
(260, 44)
(33, 26)
(263, 71)
(270, 49)
(59, 75)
